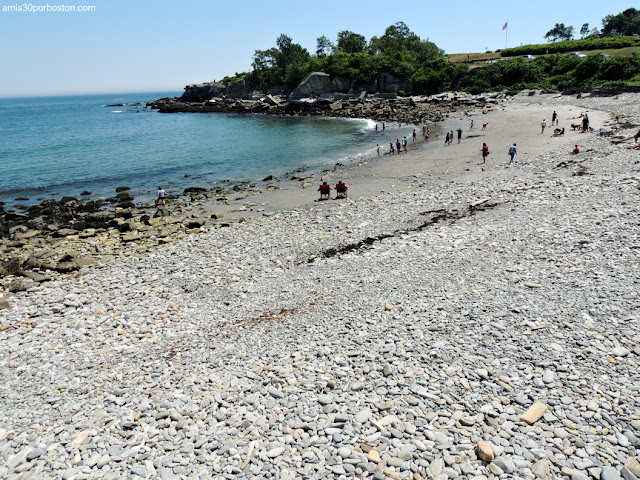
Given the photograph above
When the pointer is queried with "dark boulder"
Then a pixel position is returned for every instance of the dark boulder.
(10, 266)
(194, 190)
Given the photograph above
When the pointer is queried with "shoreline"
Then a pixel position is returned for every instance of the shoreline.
(96, 237)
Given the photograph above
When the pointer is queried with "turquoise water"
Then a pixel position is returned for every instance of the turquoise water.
(56, 146)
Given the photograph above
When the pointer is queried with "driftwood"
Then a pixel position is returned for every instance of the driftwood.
(479, 202)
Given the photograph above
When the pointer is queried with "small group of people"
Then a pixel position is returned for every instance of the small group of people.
(325, 190)
(399, 146)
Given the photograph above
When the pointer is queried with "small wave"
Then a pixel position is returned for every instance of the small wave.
(117, 111)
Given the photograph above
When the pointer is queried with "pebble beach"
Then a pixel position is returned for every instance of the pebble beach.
(447, 320)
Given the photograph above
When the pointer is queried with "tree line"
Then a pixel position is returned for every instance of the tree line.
(403, 54)
(625, 23)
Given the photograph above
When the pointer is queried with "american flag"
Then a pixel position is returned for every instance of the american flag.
(504, 27)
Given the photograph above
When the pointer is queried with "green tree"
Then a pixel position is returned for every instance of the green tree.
(324, 46)
(559, 32)
(350, 42)
(584, 31)
(625, 23)
(283, 65)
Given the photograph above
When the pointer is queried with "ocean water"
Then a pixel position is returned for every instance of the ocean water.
(56, 146)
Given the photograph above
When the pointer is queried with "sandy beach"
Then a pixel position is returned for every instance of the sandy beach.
(516, 121)
(448, 320)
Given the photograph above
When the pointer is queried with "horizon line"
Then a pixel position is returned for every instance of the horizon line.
(44, 95)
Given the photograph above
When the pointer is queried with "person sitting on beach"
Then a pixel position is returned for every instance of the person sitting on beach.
(324, 191)
(341, 190)
(161, 197)
(557, 132)
(576, 150)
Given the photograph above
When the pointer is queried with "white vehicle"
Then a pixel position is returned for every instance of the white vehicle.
(578, 54)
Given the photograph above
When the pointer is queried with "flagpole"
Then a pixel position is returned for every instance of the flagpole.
(506, 34)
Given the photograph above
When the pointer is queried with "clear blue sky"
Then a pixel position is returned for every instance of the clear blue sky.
(145, 45)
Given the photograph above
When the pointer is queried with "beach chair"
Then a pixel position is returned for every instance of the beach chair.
(341, 190)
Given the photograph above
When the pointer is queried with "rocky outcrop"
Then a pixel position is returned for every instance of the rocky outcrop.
(379, 107)
(317, 84)
(237, 90)
(202, 92)
(387, 83)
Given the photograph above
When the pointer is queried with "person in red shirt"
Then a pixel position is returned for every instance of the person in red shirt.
(485, 152)
(576, 150)
(324, 190)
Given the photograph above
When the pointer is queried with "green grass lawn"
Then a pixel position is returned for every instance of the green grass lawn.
(480, 58)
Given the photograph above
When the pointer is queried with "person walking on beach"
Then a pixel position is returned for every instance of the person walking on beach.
(485, 152)
(424, 129)
(161, 197)
(543, 125)
(378, 148)
(471, 126)
(414, 135)
(459, 134)
(554, 117)
(404, 143)
(585, 123)
(446, 140)
(398, 146)
(451, 137)
(392, 149)
(512, 152)
(427, 135)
